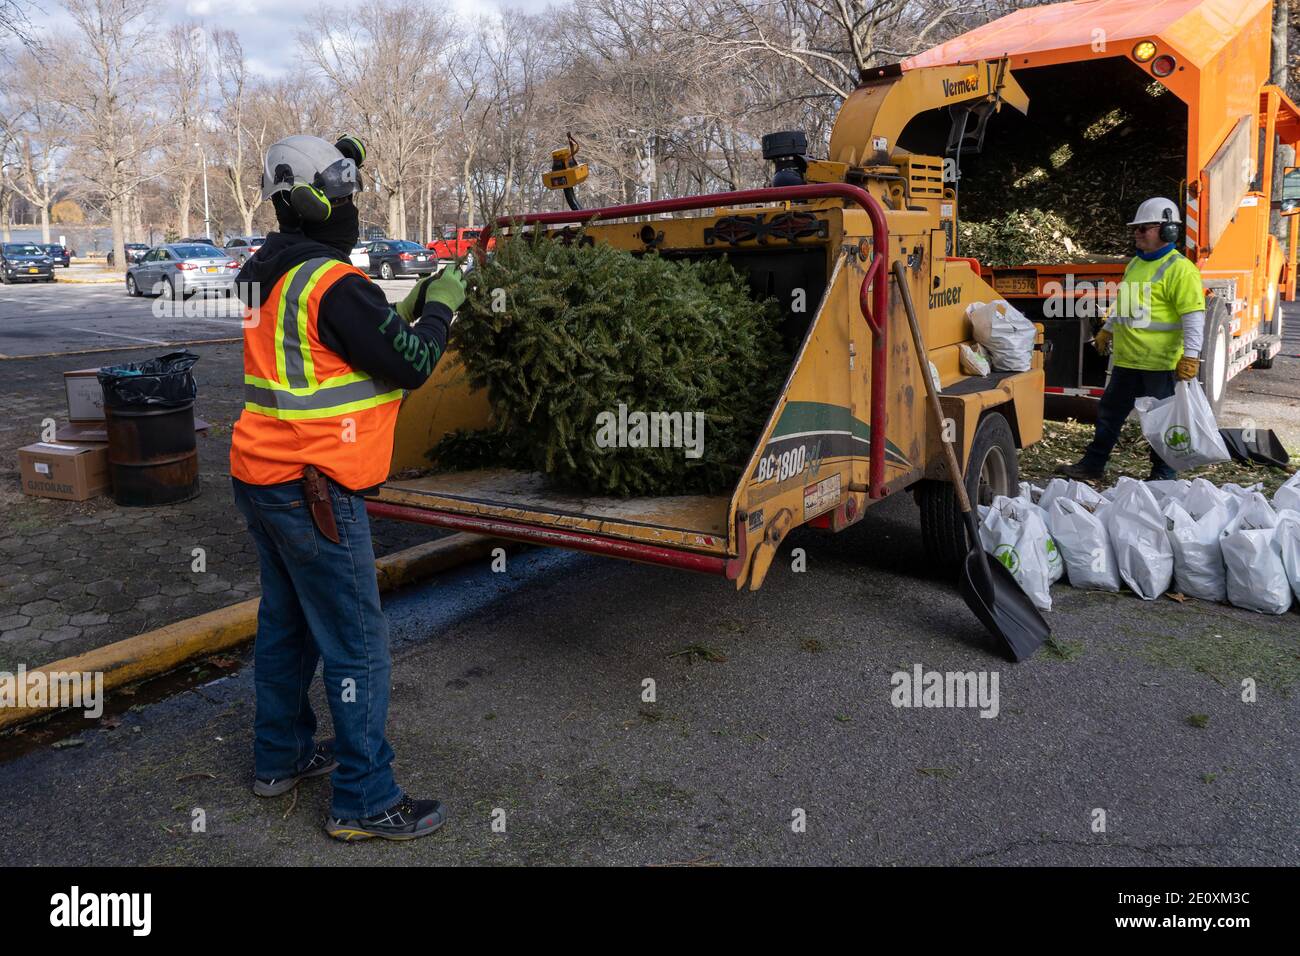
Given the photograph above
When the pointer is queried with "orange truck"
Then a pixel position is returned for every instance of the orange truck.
(1190, 80)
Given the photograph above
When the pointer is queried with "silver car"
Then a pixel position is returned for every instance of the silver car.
(178, 270)
(241, 247)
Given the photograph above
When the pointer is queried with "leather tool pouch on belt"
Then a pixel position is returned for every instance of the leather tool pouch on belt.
(317, 491)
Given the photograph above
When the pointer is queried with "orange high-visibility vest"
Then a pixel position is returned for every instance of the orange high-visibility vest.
(303, 404)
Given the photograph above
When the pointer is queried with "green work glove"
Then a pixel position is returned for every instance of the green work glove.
(448, 288)
(412, 307)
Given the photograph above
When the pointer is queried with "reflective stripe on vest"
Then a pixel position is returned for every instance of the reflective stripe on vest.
(299, 394)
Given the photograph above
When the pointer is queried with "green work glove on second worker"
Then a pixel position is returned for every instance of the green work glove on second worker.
(448, 287)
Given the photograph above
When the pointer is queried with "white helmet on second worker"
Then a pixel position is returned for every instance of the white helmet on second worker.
(1157, 209)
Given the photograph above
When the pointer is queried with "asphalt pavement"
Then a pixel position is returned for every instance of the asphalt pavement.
(770, 731)
(65, 317)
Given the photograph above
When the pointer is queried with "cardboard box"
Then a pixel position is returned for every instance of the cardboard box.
(70, 472)
(85, 396)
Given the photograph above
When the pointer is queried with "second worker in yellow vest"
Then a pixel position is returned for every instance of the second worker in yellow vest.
(1155, 330)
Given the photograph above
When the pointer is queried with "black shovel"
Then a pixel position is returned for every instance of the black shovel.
(987, 586)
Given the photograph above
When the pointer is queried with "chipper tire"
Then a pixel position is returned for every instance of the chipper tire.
(991, 470)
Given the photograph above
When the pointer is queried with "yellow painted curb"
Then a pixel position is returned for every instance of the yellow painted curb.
(165, 649)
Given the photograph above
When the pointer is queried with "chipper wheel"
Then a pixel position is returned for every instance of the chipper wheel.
(992, 470)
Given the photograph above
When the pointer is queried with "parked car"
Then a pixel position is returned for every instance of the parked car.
(134, 252)
(241, 247)
(25, 261)
(458, 245)
(360, 256)
(178, 270)
(191, 240)
(61, 256)
(390, 258)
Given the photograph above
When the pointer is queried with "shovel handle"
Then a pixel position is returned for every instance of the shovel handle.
(954, 469)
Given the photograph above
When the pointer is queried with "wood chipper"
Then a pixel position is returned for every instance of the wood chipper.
(849, 425)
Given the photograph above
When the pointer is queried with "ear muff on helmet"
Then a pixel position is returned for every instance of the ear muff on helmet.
(352, 148)
(1168, 227)
(309, 203)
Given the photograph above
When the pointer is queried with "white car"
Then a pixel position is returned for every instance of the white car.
(360, 256)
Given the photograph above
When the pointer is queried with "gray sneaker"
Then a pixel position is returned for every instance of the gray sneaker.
(404, 820)
(321, 763)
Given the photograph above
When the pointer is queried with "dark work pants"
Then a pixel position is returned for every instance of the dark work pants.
(1126, 386)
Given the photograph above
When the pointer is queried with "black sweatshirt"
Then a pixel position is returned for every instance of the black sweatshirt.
(355, 319)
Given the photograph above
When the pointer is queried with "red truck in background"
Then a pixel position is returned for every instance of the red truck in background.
(449, 248)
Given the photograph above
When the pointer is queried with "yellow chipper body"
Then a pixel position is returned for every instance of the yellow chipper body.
(849, 425)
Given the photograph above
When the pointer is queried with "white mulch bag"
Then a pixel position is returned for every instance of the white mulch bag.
(1004, 332)
(1288, 496)
(1017, 536)
(1198, 557)
(1202, 498)
(1253, 514)
(1026, 497)
(973, 360)
(1256, 577)
(1235, 496)
(1084, 545)
(1074, 490)
(1165, 490)
(1137, 533)
(1288, 546)
(1182, 428)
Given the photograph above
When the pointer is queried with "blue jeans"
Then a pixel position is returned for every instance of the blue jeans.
(320, 601)
(1126, 386)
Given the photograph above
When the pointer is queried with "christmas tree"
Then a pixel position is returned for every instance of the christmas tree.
(572, 339)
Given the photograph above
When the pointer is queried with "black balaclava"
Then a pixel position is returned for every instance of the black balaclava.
(340, 231)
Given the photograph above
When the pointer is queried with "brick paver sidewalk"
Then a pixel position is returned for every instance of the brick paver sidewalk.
(78, 575)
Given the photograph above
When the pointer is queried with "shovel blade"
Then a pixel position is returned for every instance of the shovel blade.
(991, 592)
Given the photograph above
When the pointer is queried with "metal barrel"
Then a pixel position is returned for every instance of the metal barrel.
(153, 458)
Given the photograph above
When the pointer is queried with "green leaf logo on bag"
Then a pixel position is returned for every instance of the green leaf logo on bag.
(1053, 555)
(1008, 556)
(1179, 439)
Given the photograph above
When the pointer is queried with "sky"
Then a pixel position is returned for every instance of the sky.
(268, 29)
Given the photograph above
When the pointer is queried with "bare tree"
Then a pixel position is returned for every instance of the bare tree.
(245, 126)
(14, 23)
(104, 67)
(386, 63)
(184, 82)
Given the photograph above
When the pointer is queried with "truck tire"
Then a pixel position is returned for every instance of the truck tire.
(992, 470)
(1215, 353)
(1272, 327)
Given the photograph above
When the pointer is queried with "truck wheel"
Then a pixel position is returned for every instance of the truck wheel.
(1272, 327)
(1215, 353)
(992, 470)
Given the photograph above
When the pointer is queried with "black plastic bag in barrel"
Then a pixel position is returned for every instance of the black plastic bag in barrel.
(149, 412)
(165, 381)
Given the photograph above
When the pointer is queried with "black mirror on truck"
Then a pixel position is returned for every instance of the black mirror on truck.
(1290, 203)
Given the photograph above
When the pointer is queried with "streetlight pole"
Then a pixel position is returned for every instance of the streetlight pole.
(207, 220)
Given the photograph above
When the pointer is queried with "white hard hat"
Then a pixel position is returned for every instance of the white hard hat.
(1156, 209)
(310, 160)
